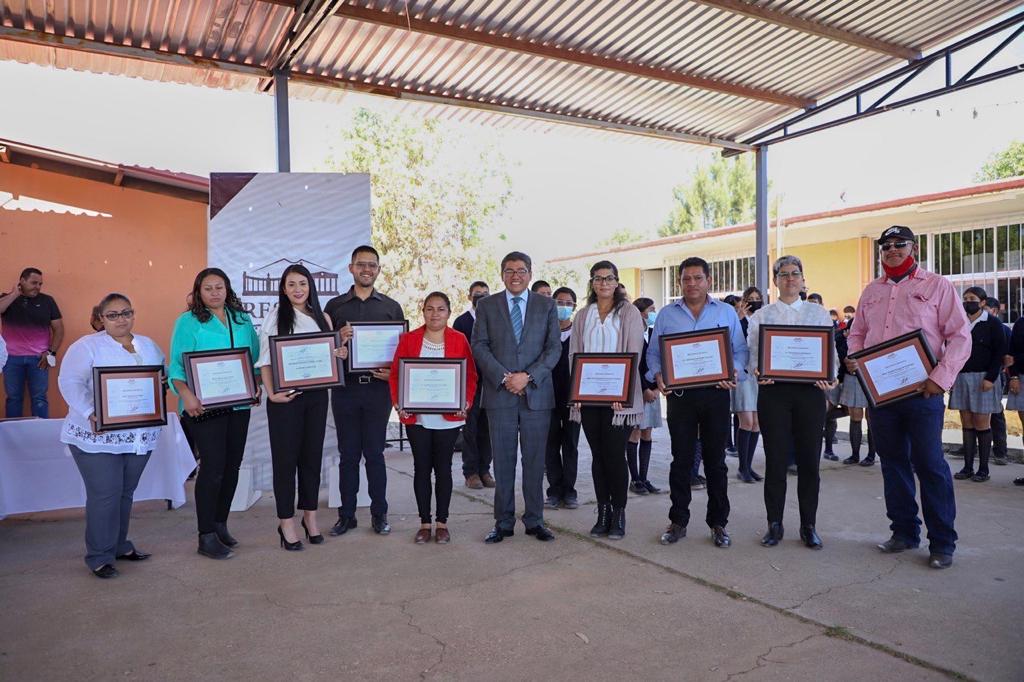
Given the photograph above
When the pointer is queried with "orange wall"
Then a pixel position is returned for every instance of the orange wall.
(149, 249)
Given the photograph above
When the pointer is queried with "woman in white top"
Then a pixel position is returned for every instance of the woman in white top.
(791, 415)
(111, 463)
(296, 420)
(609, 324)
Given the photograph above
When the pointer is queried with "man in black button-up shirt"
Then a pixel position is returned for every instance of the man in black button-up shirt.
(363, 406)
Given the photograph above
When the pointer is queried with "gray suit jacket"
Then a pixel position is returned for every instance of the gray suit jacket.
(496, 351)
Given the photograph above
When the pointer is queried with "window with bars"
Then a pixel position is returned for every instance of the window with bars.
(728, 276)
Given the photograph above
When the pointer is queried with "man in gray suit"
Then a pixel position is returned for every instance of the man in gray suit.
(516, 344)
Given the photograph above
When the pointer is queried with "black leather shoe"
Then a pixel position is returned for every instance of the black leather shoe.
(541, 533)
(380, 524)
(617, 530)
(552, 502)
(603, 523)
(774, 534)
(852, 459)
(868, 461)
(105, 571)
(940, 561)
(754, 475)
(135, 555)
(211, 546)
(720, 537)
(571, 502)
(343, 525)
(497, 535)
(894, 545)
(290, 546)
(673, 534)
(313, 539)
(831, 456)
(221, 529)
(980, 477)
(810, 537)
(963, 474)
(638, 487)
(744, 476)
(650, 488)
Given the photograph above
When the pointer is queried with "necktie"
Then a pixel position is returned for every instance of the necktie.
(517, 318)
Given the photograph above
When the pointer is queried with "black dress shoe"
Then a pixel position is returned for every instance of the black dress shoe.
(638, 487)
(541, 533)
(673, 534)
(135, 555)
(868, 461)
(313, 539)
(211, 546)
(1019, 480)
(720, 537)
(343, 525)
(810, 537)
(105, 571)
(380, 524)
(221, 529)
(964, 474)
(571, 503)
(774, 534)
(754, 475)
(940, 561)
(852, 459)
(894, 545)
(650, 488)
(290, 546)
(552, 502)
(831, 456)
(497, 535)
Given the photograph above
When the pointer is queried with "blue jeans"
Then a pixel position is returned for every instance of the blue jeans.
(22, 369)
(911, 442)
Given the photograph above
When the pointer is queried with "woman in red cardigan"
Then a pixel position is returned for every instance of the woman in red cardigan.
(433, 436)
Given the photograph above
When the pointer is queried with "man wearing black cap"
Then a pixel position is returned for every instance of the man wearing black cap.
(904, 299)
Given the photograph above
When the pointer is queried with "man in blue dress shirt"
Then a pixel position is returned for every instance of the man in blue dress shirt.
(697, 412)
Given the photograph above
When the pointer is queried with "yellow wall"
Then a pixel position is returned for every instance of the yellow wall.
(833, 270)
(630, 277)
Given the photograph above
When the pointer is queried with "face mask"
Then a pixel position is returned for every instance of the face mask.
(972, 307)
(650, 319)
(564, 313)
(847, 317)
(754, 305)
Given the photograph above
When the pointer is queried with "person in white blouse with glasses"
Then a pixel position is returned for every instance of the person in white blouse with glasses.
(111, 463)
(791, 415)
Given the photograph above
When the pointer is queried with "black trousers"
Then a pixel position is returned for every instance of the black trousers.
(704, 411)
(561, 457)
(791, 417)
(297, 444)
(432, 450)
(361, 413)
(221, 444)
(608, 450)
(476, 441)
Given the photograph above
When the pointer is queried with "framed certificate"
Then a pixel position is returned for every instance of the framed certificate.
(695, 359)
(792, 353)
(306, 361)
(129, 397)
(895, 369)
(373, 344)
(221, 378)
(432, 385)
(600, 379)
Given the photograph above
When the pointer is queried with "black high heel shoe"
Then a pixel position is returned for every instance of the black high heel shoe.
(290, 546)
(313, 539)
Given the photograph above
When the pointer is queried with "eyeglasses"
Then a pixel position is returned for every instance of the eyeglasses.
(894, 245)
(598, 279)
(796, 274)
(113, 317)
(362, 265)
(521, 272)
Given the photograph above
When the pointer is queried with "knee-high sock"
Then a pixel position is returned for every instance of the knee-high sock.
(855, 437)
(830, 432)
(631, 449)
(984, 449)
(742, 444)
(970, 448)
(645, 458)
(751, 446)
(871, 444)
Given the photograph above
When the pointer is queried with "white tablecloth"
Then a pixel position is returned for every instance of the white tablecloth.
(37, 471)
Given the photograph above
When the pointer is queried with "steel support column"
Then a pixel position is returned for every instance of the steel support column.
(761, 264)
(284, 154)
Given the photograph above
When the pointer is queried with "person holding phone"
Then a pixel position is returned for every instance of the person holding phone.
(744, 397)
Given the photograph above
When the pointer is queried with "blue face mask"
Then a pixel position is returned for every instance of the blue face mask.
(650, 318)
(564, 313)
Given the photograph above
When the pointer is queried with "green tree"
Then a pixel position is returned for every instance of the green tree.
(720, 193)
(624, 237)
(432, 211)
(1005, 164)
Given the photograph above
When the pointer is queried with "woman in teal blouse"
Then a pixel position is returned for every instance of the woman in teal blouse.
(214, 321)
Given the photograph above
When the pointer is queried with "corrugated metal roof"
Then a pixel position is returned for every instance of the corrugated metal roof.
(614, 61)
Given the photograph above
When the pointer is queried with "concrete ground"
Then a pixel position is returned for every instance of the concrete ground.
(369, 607)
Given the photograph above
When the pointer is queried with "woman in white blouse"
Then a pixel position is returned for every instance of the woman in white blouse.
(791, 415)
(609, 324)
(111, 463)
(296, 420)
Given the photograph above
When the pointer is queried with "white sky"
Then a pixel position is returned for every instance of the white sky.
(572, 189)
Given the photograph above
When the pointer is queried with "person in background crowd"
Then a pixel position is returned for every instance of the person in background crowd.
(609, 324)
(542, 288)
(977, 391)
(638, 449)
(95, 321)
(835, 409)
(815, 298)
(910, 430)
(214, 320)
(852, 397)
(1015, 399)
(734, 420)
(33, 332)
(622, 290)
(111, 463)
(432, 436)
(994, 309)
(562, 454)
(744, 397)
(848, 314)
(831, 393)
(834, 314)
(476, 441)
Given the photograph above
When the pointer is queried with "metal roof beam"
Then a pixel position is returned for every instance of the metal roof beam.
(464, 33)
(814, 28)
